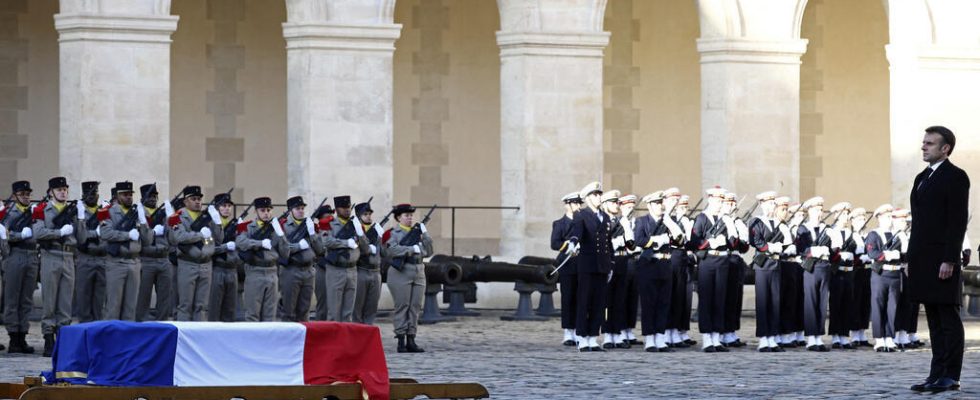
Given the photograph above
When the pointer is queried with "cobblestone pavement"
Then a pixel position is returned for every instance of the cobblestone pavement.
(526, 360)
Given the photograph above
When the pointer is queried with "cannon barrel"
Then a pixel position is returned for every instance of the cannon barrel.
(534, 260)
(444, 273)
(485, 270)
(971, 276)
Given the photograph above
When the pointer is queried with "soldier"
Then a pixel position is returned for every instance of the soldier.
(791, 285)
(19, 268)
(406, 245)
(156, 270)
(592, 235)
(862, 280)
(689, 261)
(90, 269)
(818, 243)
(54, 229)
(224, 275)
(653, 271)
(194, 232)
(323, 216)
(886, 280)
(736, 275)
(342, 241)
(712, 236)
(368, 291)
(627, 205)
(842, 305)
(768, 236)
(297, 275)
(678, 269)
(260, 243)
(561, 230)
(125, 233)
(907, 315)
(616, 286)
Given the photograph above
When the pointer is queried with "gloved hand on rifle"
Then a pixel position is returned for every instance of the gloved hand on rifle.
(775, 248)
(351, 243)
(206, 232)
(717, 242)
(230, 246)
(416, 249)
(423, 228)
(373, 249)
(67, 229)
(303, 244)
(26, 233)
(892, 255)
(215, 215)
(267, 244)
(865, 259)
(3, 232)
(134, 234)
(790, 250)
(158, 230)
(309, 226)
(141, 213)
(80, 209)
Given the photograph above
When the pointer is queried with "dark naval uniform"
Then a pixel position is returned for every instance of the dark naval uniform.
(592, 230)
(886, 284)
(816, 278)
(653, 276)
(561, 232)
(712, 273)
(768, 240)
(842, 304)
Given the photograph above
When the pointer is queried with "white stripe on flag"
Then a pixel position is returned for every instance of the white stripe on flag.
(239, 353)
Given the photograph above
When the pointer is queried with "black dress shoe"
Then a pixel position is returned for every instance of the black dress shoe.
(596, 348)
(847, 346)
(608, 345)
(691, 342)
(822, 348)
(902, 347)
(865, 343)
(789, 345)
(813, 348)
(921, 387)
(681, 345)
(765, 350)
(634, 341)
(623, 345)
(721, 349)
(568, 342)
(890, 349)
(650, 349)
(665, 350)
(778, 350)
(709, 349)
(942, 385)
(919, 343)
(835, 346)
(583, 349)
(800, 343)
(737, 343)
(881, 350)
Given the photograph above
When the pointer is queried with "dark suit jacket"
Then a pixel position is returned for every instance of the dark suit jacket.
(561, 230)
(595, 240)
(939, 217)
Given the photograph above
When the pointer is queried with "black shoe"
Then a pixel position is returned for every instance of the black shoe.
(835, 346)
(681, 345)
(48, 345)
(401, 344)
(881, 350)
(665, 350)
(18, 344)
(920, 343)
(813, 348)
(568, 342)
(790, 345)
(411, 346)
(691, 342)
(709, 349)
(942, 385)
(737, 343)
(902, 346)
(608, 345)
(623, 345)
(765, 350)
(800, 343)
(822, 348)
(596, 348)
(847, 346)
(634, 342)
(778, 350)
(865, 343)
(921, 387)
(721, 349)
(584, 349)
(890, 350)
(651, 349)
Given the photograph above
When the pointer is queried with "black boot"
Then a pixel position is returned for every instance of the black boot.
(401, 344)
(412, 347)
(18, 344)
(48, 344)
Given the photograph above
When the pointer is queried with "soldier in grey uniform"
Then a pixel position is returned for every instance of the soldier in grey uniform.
(224, 276)
(54, 230)
(260, 244)
(406, 276)
(296, 277)
(19, 268)
(342, 252)
(125, 234)
(194, 231)
(90, 267)
(368, 290)
(322, 216)
(157, 272)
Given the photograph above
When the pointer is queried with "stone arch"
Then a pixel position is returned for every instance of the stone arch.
(341, 11)
(551, 16)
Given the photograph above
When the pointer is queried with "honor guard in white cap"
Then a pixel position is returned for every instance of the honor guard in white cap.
(734, 294)
(791, 285)
(861, 317)
(886, 279)
(653, 273)
(681, 214)
(561, 234)
(768, 241)
(842, 305)
(712, 237)
(592, 233)
(678, 269)
(615, 320)
(814, 241)
(627, 205)
(906, 319)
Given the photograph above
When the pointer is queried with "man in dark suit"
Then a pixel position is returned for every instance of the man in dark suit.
(939, 216)
(592, 235)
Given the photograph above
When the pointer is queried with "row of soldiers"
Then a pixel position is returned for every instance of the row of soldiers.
(107, 260)
(806, 260)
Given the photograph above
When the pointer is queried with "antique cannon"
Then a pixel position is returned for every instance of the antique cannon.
(971, 288)
(436, 275)
(546, 303)
(526, 279)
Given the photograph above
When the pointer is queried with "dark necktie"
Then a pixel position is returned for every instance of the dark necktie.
(926, 174)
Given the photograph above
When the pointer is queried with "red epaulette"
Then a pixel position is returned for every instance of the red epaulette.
(102, 214)
(324, 223)
(3, 213)
(242, 226)
(38, 213)
(386, 236)
(174, 219)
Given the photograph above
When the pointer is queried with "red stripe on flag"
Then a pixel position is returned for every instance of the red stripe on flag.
(337, 352)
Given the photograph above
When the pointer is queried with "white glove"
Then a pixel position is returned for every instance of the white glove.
(230, 246)
(309, 226)
(416, 249)
(303, 244)
(775, 248)
(169, 208)
(206, 232)
(358, 228)
(141, 213)
(158, 230)
(819, 251)
(717, 241)
(267, 244)
(422, 228)
(3, 232)
(379, 230)
(215, 215)
(67, 230)
(846, 256)
(743, 231)
(865, 259)
(905, 246)
(81, 209)
(373, 249)
(618, 242)
(98, 231)
(892, 255)
(790, 250)
(276, 227)
(26, 233)
(661, 240)
(730, 226)
(836, 241)
(134, 234)
(352, 243)
(574, 248)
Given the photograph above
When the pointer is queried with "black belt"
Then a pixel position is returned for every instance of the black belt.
(51, 245)
(262, 264)
(190, 260)
(30, 246)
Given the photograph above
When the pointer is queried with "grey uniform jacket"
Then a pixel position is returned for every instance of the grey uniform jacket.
(192, 245)
(222, 256)
(297, 255)
(88, 233)
(117, 239)
(247, 241)
(368, 260)
(394, 249)
(47, 234)
(333, 244)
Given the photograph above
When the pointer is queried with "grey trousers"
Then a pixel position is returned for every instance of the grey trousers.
(19, 282)
(407, 290)
(157, 273)
(90, 287)
(320, 288)
(296, 285)
(341, 290)
(367, 295)
(193, 290)
(261, 293)
(122, 276)
(224, 294)
(57, 288)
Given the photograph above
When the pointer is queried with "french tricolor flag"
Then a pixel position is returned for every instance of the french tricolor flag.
(117, 353)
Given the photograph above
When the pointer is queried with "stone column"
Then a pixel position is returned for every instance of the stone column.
(115, 90)
(934, 57)
(339, 98)
(551, 112)
(750, 94)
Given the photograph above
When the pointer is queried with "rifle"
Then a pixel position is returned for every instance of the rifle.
(205, 217)
(348, 231)
(413, 238)
(127, 223)
(695, 208)
(296, 235)
(64, 216)
(750, 211)
(372, 234)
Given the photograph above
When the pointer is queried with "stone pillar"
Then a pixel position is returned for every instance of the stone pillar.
(115, 90)
(551, 113)
(934, 57)
(750, 94)
(339, 98)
